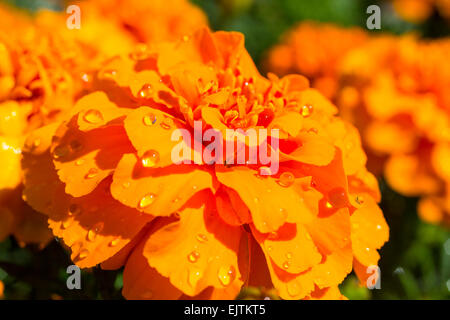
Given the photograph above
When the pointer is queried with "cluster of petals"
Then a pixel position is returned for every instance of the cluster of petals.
(395, 91)
(105, 178)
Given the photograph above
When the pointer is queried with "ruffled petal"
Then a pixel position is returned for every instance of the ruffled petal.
(197, 251)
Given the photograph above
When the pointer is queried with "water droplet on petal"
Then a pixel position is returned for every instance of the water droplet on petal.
(167, 123)
(146, 91)
(150, 158)
(92, 233)
(114, 242)
(147, 200)
(193, 256)
(79, 162)
(337, 197)
(306, 111)
(93, 116)
(289, 255)
(194, 276)
(226, 275)
(201, 238)
(286, 265)
(149, 119)
(293, 289)
(286, 179)
(92, 173)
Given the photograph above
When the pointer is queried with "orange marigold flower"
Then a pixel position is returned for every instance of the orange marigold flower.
(315, 51)
(106, 178)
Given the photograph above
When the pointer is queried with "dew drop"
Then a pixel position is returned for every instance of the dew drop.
(306, 111)
(201, 238)
(289, 255)
(150, 158)
(147, 200)
(92, 173)
(193, 256)
(194, 276)
(93, 116)
(79, 162)
(146, 91)
(226, 275)
(114, 242)
(167, 123)
(92, 233)
(149, 119)
(286, 179)
(337, 197)
(286, 265)
(293, 289)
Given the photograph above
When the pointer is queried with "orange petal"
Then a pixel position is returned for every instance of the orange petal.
(369, 232)
(150, 130)
(312, 150)
(335, 268)
(198, 251)
(142, 282)
(270, 204)
(96, 110)
(91, 225)
(156, 191)
(290, 248)
(84, 159)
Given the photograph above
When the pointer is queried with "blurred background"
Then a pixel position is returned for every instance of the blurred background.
(415, 263)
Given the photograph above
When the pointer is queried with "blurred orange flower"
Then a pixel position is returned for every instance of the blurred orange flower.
(106, 180)
(403, 85)
(2, 288)
(417, 11)
(395, 90)
(315, 51)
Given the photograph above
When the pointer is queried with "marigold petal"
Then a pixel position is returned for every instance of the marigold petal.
(159, 192)
(84, 159)
(198, 251)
